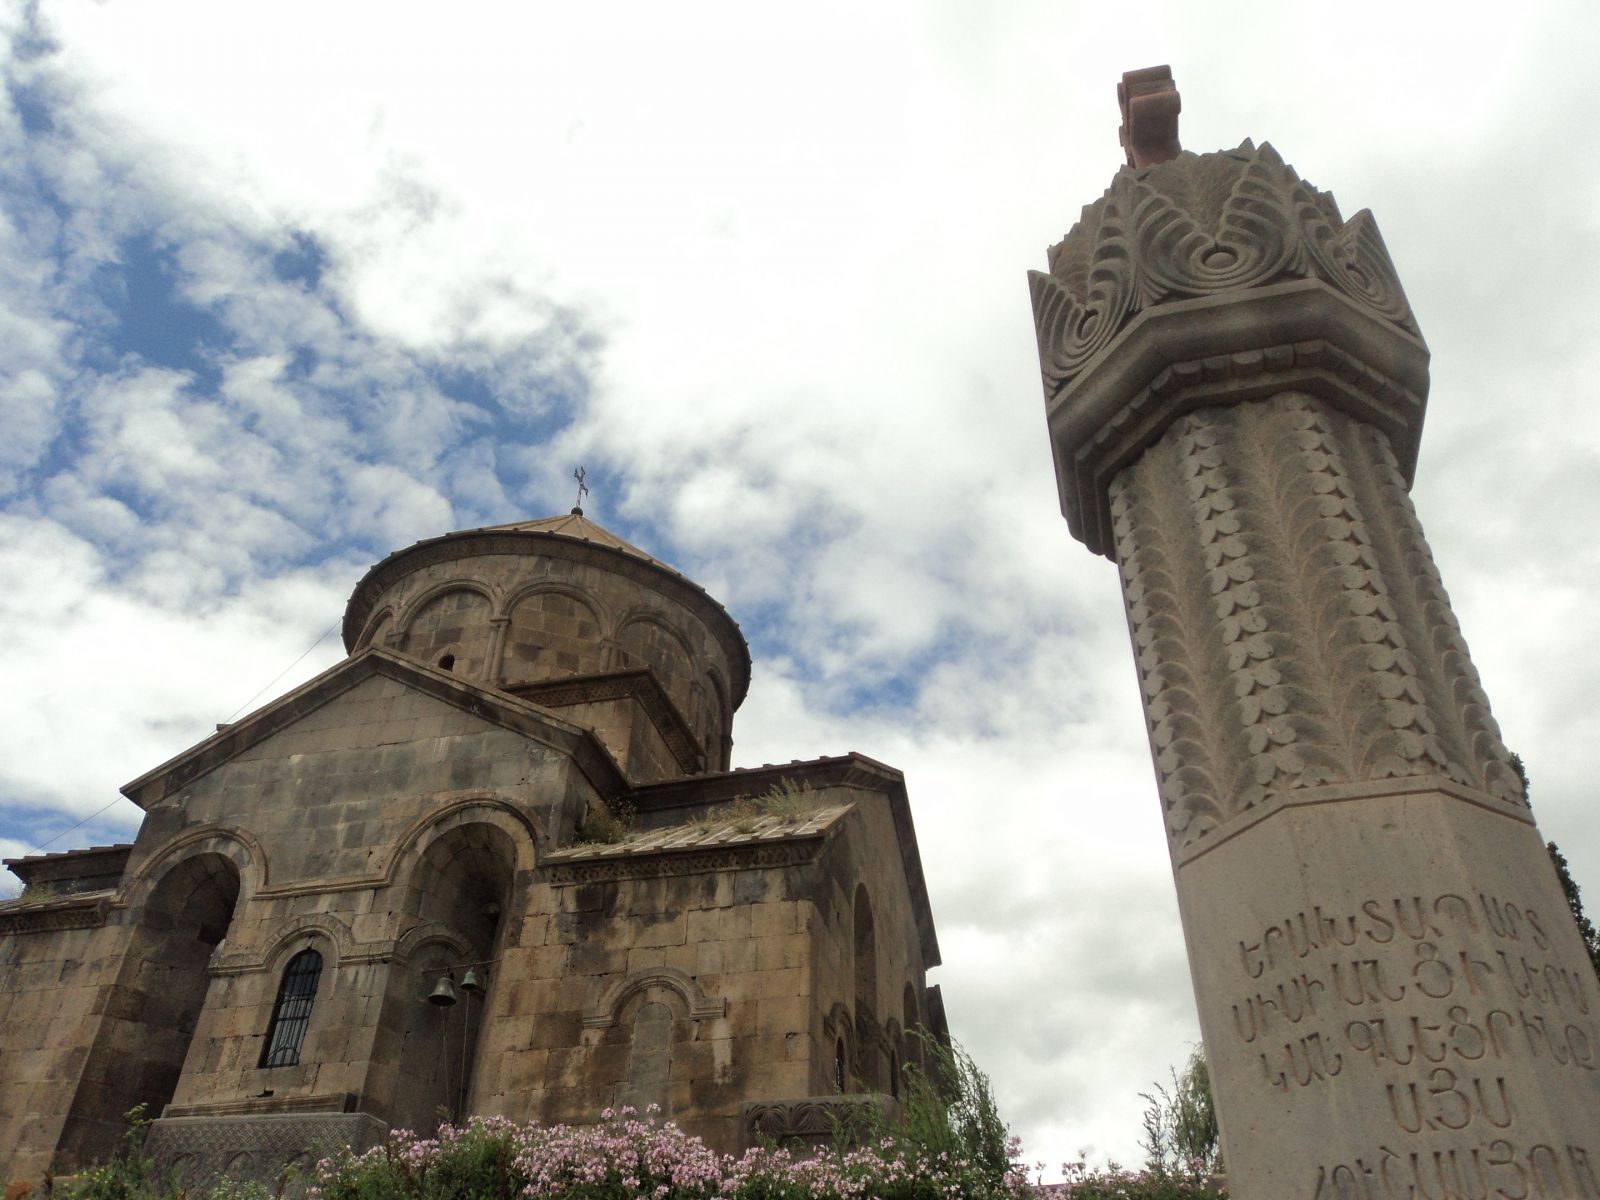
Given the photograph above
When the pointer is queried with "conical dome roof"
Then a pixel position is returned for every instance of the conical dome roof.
(574, 525)
(571, 538)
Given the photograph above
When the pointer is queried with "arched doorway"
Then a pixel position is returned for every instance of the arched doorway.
(154, 1006)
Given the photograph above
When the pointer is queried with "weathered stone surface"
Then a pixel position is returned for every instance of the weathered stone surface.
(1290, 628)
(399, 820)
(1393, 997)
(808, 1124)
(1208, 280)
(261, 1148)
(1394, 1000)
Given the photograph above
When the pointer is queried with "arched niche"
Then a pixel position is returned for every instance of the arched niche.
(555, 630)
(866, 990)
(655, 1010)
(452, 623)
(457, 888)
(911, 1017)
(378, 630)
(649, 640)
(719, 732)
(838, 1028)
(156, 1001)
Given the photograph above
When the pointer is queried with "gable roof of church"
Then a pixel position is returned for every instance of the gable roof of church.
(496, 707)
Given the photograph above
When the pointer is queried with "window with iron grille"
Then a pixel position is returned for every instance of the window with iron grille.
(291, 1012)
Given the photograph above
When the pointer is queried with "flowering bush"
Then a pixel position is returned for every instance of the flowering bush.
(629, 1158)
(1114, 1183)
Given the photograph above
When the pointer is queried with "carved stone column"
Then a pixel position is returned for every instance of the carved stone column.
(1394, 1000)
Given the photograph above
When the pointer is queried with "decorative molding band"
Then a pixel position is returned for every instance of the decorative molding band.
(1288, 623)
(330, 1102)
(1198, 226)
(1351, 793)
(86, 912)
(326, 925)
(1293, 338)
(701, 1007)
(697, 862)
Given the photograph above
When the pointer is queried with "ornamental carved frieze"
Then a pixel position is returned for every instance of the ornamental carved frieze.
(1200, 226)
(1290, 628)
(71, 914)
(815, 1121)
(561, 872)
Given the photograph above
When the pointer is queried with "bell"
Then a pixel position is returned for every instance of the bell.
(470, 982)
(444, 992)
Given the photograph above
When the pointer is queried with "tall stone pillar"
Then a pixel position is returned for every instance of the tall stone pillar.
(1394, 1000)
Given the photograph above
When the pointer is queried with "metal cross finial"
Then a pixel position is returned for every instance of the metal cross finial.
(1150, 106)
(583, 489)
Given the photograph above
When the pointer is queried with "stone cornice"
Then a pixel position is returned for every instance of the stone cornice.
(1299, 336)
(79, 912)
(330, 1102)
(658, 864)
(69, 867)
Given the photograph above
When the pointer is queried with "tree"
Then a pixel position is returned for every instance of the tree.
(1180, 1126)
(1569, 886)
(1586, 929)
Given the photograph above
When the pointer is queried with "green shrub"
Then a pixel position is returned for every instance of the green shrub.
(129, 1174)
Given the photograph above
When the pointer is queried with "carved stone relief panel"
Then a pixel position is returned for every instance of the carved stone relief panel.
(1290, 628)
(1201, 225)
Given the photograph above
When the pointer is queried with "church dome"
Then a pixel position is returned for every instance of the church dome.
(522, 605)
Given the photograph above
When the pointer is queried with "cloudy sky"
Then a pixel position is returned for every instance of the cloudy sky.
(286, 286)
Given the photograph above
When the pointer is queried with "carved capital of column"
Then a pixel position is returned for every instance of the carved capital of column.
(1211, 280)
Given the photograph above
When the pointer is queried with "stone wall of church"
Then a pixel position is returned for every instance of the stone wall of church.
(510, 619)
(396, 839)
(684, 990)
(701, 982)
(57, 958)
(387, 831)
(868, 965)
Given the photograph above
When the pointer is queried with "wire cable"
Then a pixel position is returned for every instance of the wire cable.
(285, 671)
(234, 713)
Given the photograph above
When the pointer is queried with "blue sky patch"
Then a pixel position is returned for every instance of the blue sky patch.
(152, 320)
(302, 262)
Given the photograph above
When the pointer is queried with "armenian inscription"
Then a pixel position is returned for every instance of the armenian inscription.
(1427, 999)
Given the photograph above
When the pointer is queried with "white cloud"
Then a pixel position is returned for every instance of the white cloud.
(765, 277)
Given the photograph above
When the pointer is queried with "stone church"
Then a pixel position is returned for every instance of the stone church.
(495, 861)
